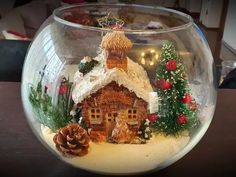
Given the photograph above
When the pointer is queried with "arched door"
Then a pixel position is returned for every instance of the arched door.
(110, 122)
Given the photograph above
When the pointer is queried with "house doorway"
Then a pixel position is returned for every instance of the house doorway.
(110, 122)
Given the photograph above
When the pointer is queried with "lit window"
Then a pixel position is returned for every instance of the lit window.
(95, 116)
(132, 115)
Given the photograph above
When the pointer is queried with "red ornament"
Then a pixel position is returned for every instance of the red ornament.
(152, 117)
(171, 65)
(165, 85)
(182, 119)
(187, 98)
(62, 89)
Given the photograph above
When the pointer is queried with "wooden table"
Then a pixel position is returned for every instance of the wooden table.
(22, 155)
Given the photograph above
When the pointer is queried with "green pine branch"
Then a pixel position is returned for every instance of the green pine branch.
(87, 67)
(52, 116)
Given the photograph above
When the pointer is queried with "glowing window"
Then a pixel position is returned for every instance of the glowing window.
(132, 116)
(95, 116)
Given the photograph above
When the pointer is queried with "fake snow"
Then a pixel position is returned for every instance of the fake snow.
(124, 158)
(135, 79)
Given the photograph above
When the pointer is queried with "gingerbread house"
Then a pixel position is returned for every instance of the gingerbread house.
(112, 89)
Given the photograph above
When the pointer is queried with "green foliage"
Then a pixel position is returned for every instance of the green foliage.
(87, 66)
(170, 100)
(53, 116)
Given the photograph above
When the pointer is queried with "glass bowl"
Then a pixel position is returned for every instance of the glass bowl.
(119, 89)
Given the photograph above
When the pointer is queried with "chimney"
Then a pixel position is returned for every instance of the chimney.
(116, 46)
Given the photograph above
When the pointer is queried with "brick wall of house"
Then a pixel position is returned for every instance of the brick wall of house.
(112, 98)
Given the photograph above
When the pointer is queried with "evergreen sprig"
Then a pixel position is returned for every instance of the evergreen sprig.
(87, 66)
(170, 100)
(52, 116)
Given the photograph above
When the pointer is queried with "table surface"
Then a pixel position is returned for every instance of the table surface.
(22, 155)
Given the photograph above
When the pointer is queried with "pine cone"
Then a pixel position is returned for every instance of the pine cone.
(72, 140)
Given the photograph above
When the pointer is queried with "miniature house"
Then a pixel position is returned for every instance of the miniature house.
(116, 45)
(119, 89)
(101, 109)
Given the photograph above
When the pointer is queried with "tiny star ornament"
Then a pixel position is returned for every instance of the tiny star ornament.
(171, 65)
(152, 117)
(165, 85)
(182, 119)
(110, 21)
(187, 98)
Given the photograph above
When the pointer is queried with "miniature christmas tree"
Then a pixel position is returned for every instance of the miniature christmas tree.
(145, 131)
(174, 114)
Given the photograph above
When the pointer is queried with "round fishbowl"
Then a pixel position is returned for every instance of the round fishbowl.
(117, 88)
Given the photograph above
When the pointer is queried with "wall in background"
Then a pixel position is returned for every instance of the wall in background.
(211, 13)
(6, 6)
(194, 6)
(229, 36)
(190, 5)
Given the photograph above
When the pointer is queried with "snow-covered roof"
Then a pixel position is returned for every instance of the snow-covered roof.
(135, 79)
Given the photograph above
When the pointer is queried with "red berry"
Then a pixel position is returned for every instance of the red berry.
(62, 89)
(152, 117)
(171, 65)
(182, 119)
(165, 85)
(187, 98)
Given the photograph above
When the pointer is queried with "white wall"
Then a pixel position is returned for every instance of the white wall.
(230, 25)
(211, 13)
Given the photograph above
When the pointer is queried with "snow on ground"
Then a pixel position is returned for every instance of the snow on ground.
(125, 158)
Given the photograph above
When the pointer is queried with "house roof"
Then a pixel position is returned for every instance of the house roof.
(135, 79)
(116, 40)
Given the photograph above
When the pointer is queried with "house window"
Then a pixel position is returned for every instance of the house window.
(132, 116)
(95, 116)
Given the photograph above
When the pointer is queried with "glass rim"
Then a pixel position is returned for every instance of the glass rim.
(186, 25)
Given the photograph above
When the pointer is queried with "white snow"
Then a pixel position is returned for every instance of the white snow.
(135, 79)
(153, 102)
(134, 158)
(86, 59)
(124, 158)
